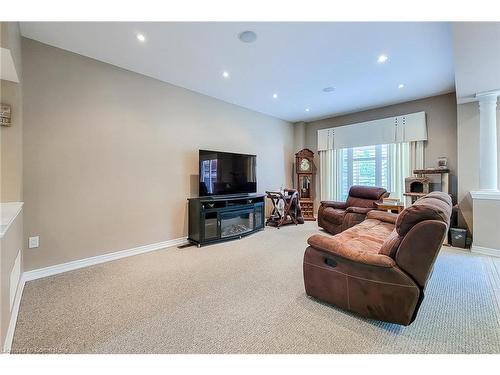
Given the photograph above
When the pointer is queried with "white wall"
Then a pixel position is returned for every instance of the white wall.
(477, 57)
(468, 158)
(110, 156)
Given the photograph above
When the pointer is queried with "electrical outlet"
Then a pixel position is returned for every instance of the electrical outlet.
(34, 242)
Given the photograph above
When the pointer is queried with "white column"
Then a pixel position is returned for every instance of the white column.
(488, 152)
(486, 200)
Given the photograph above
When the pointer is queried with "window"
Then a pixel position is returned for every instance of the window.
(384, 165)
(367, 165)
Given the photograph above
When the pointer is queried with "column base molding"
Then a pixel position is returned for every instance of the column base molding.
(486, 194)
(485, 251)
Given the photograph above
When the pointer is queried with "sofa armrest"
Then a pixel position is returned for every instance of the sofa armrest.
(328, 245)
(387, 217)
(333, 204)
(359, 210)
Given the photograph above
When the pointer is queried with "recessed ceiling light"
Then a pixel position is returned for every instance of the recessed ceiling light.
(275, 96)
(307, 109)
(225, 74)
(329, 89)
(400, 86)
(247, 36)
(382, 59)
(141, 37)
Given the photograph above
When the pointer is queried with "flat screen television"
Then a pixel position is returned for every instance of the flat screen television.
(225, 173)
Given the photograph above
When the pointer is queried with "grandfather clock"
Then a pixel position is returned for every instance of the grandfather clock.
(304, 168)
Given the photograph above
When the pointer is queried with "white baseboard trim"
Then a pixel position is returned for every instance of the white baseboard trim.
(13, 316)
(76, 264)
(485, 250)
(69, 266)
(486, 194)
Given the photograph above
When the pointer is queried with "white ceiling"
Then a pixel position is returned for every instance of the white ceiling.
(295, 60)
(477, 58)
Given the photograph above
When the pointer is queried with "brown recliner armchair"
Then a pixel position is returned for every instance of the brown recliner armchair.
(335, 217)
(379, 268)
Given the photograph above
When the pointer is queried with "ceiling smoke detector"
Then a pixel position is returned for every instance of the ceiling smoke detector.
(247, 36)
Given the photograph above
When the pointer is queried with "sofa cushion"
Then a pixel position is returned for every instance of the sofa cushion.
(391, 244)
(360, 202)
(435, 206)
(360, 243)
(333, 215)
(439, 195)
(326, 244)
(368, 236)
(366, 192)
(388, 217)
(363, 196)
(334, 204)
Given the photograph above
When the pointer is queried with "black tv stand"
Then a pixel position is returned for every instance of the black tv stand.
(215, 219)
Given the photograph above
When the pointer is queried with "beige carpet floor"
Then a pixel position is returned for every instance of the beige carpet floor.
(246, 296)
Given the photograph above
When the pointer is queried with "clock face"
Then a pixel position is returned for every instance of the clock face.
(305, 165)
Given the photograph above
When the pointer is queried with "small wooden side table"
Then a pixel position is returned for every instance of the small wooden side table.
(394, 208)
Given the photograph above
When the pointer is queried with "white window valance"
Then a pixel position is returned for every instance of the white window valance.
(404, 128)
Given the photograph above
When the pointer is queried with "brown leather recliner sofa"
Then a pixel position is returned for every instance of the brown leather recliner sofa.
(380, 267)
(335, 217)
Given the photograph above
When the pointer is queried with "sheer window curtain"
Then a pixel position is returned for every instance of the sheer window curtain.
(403, 159)
(330, 174)
(399, 168)
(416, 155)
